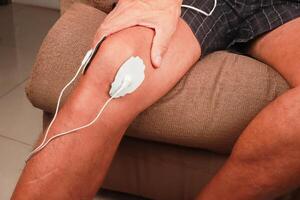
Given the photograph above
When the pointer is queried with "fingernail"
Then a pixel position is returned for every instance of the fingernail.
(158, 60)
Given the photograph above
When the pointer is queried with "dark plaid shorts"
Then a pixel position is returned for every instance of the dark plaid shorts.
(236, 22)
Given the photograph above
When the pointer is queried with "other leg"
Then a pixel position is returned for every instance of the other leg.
(265, 161)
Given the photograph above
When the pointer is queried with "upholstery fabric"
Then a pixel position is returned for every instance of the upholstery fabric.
(207, 109)
(66, 4)
(238, 90)
(103, 5)
(60, 54)
(153, 169)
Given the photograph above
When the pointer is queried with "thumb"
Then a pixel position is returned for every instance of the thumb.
(159, 46)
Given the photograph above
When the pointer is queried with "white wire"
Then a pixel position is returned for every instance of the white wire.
(44, 143)
(75, 129)
(82, 66)
(201, 11)
(57, 107)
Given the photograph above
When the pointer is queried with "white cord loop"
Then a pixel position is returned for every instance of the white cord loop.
(201, 11)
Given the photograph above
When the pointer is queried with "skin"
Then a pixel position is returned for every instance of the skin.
(74, 166)
(265, 161)
(161, 16)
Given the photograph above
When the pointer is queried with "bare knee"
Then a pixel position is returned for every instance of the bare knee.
(93, 88)
(137, 41)
(114, 51)
(117, 48)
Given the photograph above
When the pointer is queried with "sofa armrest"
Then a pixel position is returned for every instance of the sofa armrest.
(53, 66)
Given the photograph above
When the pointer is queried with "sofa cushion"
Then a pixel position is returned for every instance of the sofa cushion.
(208, 108)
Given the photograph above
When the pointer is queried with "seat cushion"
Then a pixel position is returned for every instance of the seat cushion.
(213, 103)
(208, 108)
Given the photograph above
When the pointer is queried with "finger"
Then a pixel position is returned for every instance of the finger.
(160, 45)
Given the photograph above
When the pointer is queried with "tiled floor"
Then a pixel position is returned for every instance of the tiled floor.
(22, 29)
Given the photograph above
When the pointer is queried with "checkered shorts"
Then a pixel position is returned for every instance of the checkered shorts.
(236, 22)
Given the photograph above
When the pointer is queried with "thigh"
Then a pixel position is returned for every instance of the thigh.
(280, 49)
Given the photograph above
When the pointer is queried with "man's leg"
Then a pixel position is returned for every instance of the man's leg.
(265, 161)
(74, 166)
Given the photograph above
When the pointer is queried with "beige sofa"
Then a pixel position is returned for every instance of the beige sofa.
(176, 146)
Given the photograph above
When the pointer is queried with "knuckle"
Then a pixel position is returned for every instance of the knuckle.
(164, 48)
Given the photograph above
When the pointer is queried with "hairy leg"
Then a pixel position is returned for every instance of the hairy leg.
(74, 166)
(265, 161)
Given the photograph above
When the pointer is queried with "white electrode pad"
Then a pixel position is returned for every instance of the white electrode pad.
(133, 68)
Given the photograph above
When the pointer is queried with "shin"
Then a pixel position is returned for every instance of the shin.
(74, 166)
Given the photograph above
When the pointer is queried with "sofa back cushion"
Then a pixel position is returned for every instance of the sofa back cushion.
(103, 5)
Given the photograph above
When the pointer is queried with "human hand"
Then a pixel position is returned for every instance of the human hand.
(160, 15)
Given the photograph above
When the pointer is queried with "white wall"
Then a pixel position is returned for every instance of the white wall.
(43, 3)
